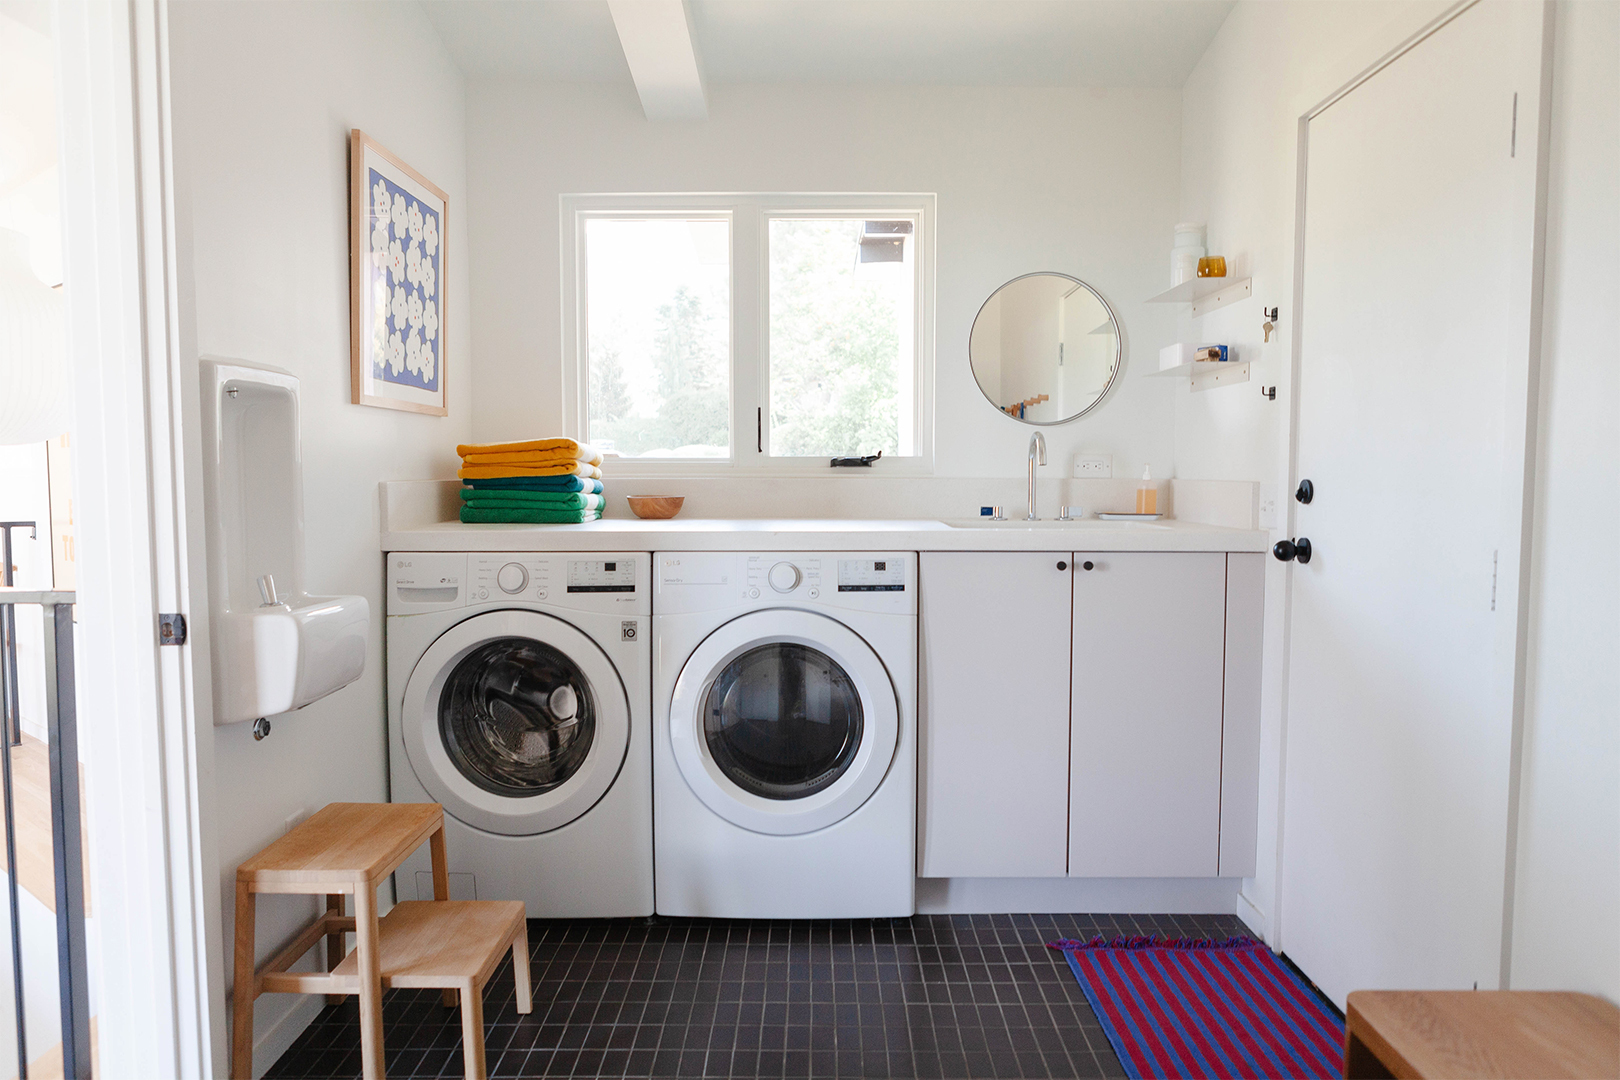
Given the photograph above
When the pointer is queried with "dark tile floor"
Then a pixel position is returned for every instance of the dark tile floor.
(944, 996)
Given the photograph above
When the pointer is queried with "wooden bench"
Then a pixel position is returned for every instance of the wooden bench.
(1480, 1033)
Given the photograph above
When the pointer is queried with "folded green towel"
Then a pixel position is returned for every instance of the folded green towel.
(514, 515)
(537, 483)
(533, 500)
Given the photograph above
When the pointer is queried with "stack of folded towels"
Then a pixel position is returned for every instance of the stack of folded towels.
(537, 481)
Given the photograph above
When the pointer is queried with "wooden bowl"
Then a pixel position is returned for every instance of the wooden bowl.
(655, 507)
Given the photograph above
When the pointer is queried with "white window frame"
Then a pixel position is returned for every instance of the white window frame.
(748, 215)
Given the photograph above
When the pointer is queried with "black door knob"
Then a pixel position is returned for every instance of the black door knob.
(1062, 565)
(1088, 566)
(1306, 491)
(1289, 550)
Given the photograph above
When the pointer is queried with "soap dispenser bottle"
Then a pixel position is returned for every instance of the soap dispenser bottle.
(1147, 494)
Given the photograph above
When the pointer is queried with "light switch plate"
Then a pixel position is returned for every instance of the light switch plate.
(1093, 466)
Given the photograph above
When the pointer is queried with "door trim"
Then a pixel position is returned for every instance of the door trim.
(1526, 259)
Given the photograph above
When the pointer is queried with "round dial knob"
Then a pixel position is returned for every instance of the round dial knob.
(784, 577)
(512, 578)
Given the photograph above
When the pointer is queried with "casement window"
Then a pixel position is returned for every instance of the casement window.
(749, 331)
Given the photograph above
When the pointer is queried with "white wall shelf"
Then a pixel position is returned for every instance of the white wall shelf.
(1206, 294)
(1207, 374)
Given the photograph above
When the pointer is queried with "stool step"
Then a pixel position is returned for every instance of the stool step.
(440, 943)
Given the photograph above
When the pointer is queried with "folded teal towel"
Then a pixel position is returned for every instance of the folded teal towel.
(537, 483)
(513, 515)
(533, 500)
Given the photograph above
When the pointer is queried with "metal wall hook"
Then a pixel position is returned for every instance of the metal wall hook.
(1269, 393)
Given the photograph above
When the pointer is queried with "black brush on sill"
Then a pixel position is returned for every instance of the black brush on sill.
(856, 462)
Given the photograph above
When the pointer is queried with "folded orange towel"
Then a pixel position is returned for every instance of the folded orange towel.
(556, 449)
(563, 468)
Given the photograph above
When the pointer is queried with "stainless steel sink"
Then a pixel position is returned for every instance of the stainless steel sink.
(1049, 524)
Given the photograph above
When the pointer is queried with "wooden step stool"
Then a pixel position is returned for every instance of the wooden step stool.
(351, 848)
(447, 945)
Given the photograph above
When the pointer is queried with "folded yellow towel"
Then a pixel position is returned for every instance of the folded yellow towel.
(561, 468)
(554, 449)
(530, 459)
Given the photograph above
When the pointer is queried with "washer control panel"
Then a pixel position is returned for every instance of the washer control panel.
(421, 582)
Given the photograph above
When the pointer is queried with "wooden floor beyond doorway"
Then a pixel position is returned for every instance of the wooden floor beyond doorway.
(36, 865)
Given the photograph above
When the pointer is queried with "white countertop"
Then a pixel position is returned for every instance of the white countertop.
(826, 534)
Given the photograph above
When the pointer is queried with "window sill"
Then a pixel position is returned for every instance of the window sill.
(621, 469)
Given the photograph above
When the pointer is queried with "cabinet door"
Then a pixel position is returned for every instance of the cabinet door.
(994, 714)
(1145, 765)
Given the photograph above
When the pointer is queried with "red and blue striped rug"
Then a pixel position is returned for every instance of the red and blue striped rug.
(1199, 1008)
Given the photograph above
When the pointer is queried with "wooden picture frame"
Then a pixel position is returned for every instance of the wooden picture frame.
(397, 282)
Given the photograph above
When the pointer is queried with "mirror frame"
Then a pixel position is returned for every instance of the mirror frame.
(1119, 348)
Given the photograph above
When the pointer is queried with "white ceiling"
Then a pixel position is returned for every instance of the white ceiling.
(940, 42)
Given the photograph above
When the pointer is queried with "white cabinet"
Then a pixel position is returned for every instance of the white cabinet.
(1145, 749)
(1089, 722)
(994, 708)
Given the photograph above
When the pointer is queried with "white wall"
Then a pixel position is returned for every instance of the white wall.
(264, 95)
(1566, 931)
(1078, 181)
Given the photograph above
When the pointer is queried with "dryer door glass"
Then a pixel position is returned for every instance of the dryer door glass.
(517, 717)
(783, 721)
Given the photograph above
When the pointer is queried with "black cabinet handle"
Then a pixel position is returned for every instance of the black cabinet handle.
(1306, 491)
(1289, 550)
(1088, 565)
(1062, 565)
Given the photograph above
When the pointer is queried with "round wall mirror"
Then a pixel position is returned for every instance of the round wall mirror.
(1045, 348)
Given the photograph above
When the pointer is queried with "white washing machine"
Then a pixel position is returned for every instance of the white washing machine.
(785, 734)
(519, 698)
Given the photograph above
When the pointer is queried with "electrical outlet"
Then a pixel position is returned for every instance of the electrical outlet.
(294, 820)
(1093, 466)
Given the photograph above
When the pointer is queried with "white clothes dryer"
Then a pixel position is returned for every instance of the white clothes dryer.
(784, 734)
(519, 699)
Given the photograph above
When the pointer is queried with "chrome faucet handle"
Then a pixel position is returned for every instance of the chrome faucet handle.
(1063, 513)
(992, 512)
(267, 590)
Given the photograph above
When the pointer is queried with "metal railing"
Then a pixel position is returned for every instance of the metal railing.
(61, 717)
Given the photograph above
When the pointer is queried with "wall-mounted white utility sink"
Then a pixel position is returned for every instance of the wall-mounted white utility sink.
(276, 648)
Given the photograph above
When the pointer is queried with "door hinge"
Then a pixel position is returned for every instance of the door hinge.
(171, 629)
(1494, 556)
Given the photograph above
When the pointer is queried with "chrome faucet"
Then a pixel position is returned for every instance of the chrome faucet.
(1037, 442)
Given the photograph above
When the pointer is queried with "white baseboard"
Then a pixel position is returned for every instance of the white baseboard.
(269, 1047)
(1115, 896)
(1254, 918)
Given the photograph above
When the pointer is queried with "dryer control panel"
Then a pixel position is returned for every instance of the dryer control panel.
(420, 582)
(857, 581)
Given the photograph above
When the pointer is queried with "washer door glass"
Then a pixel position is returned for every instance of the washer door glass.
(517, 717)
(783, 721)
(516, 721)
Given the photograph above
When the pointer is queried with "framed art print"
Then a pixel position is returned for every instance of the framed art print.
(396, 282)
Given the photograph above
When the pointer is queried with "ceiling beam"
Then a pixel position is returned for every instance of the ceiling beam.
(657, 39)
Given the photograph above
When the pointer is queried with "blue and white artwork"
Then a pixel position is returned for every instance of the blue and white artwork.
(407, 255)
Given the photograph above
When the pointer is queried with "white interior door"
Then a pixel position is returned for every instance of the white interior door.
(1398, 731)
